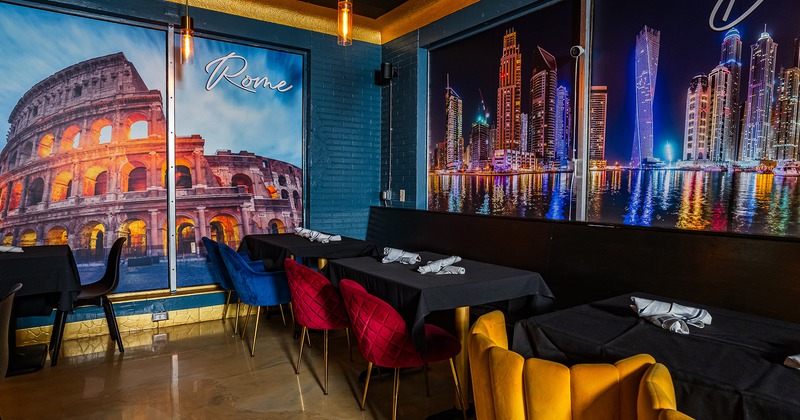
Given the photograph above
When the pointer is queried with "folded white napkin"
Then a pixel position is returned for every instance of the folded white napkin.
(4, 248)
(451, 269)
(324, 237)
(793, 361)
(438, 265)
(393, 254)
(302, 232)
(670, 316)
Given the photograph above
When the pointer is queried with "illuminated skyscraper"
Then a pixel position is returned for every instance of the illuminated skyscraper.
(760, 92)
(542, 126)
(452, 138)
(646, 69)
(695, 137)
(563, 130)
(787, 110)
(721, 124)
(479, 143)
(731, 59)
(598, 101)
(509, 94)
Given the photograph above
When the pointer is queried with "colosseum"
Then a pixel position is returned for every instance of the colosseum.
(85, 163)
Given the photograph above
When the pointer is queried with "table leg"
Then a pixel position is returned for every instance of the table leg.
(321, 263)
(462, 360)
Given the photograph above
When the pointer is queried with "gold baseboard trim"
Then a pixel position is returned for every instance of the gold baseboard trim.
(127, 324)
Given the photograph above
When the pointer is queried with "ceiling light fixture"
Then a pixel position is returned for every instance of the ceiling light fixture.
(345, 23)
(187, 38)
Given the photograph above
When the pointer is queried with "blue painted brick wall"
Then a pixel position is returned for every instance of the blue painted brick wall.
(406, 147)
(344, 147)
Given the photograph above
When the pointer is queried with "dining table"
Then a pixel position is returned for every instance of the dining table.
(417, 295)
(50, 279)
(732, 368)
(274, 248)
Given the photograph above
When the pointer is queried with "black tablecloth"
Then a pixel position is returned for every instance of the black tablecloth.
(731, 369)
(278, 247)
(48, 275)
(416, 295)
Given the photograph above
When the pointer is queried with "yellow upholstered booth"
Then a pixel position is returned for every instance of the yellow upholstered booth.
(506, 386)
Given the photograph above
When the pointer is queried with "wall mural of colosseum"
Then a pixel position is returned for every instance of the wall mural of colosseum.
(85, 157)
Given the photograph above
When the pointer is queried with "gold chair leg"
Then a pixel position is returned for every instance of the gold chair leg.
(458, 389)
(325, 353)
(246, 320)
(236, 325)
(349, 347)
(283, 317)
(366, 386)
(255, 333)
(395, 391)
(308, 337)
(300, 355)
(291, 313)
(227, 303)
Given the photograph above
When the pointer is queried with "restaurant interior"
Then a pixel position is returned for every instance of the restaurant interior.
(276, 208)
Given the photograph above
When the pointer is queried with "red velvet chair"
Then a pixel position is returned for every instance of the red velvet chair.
(317, 305)
(385, 341)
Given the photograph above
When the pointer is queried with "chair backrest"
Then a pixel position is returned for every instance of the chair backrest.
(254, 288)
(111, 277)
(505, 385)
(5, 327)
(379, 329)
(217, 267)
(657, 395)
(317, 303)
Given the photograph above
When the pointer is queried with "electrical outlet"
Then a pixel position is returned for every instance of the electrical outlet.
(160, 316)
(402, 195)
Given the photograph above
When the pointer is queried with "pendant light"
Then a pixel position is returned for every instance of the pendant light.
(345, 31)
(187, 36)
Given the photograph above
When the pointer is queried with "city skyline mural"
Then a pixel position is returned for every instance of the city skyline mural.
(84, 160)
(693, 122)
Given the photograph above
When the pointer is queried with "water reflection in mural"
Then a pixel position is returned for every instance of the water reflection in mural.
(742, 202)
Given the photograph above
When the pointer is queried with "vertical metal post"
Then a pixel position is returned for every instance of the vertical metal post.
(172, 243)
(582, 113)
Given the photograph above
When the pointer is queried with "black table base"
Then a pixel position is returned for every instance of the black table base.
(27, 359)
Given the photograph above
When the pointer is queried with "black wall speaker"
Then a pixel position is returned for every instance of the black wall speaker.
(385, 74)
(386, 71)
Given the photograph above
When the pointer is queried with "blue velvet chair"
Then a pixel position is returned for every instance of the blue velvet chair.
(254, 288)
(220, 274)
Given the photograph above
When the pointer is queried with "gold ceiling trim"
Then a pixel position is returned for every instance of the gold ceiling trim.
(415, 14)
(406, 18)
(293, 13)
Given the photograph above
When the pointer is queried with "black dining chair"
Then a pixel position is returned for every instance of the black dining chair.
(94, 294)
(5, 328)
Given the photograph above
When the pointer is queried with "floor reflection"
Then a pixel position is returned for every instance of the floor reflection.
(202, 371)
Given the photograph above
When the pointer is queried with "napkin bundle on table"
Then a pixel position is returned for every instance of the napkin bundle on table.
(670, 316)
(393, 254)
(313, 235)
(443, 266)
(793, 361)
(4, 248)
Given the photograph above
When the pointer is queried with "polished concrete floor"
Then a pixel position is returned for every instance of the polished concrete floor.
(200, 371)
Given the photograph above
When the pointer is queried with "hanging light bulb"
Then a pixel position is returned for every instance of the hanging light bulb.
(187, 36)
(345, 22)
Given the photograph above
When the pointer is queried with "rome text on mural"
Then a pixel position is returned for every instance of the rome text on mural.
(222, 70)
(727, 14)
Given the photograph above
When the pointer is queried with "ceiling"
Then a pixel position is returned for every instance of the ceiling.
(370, 8)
